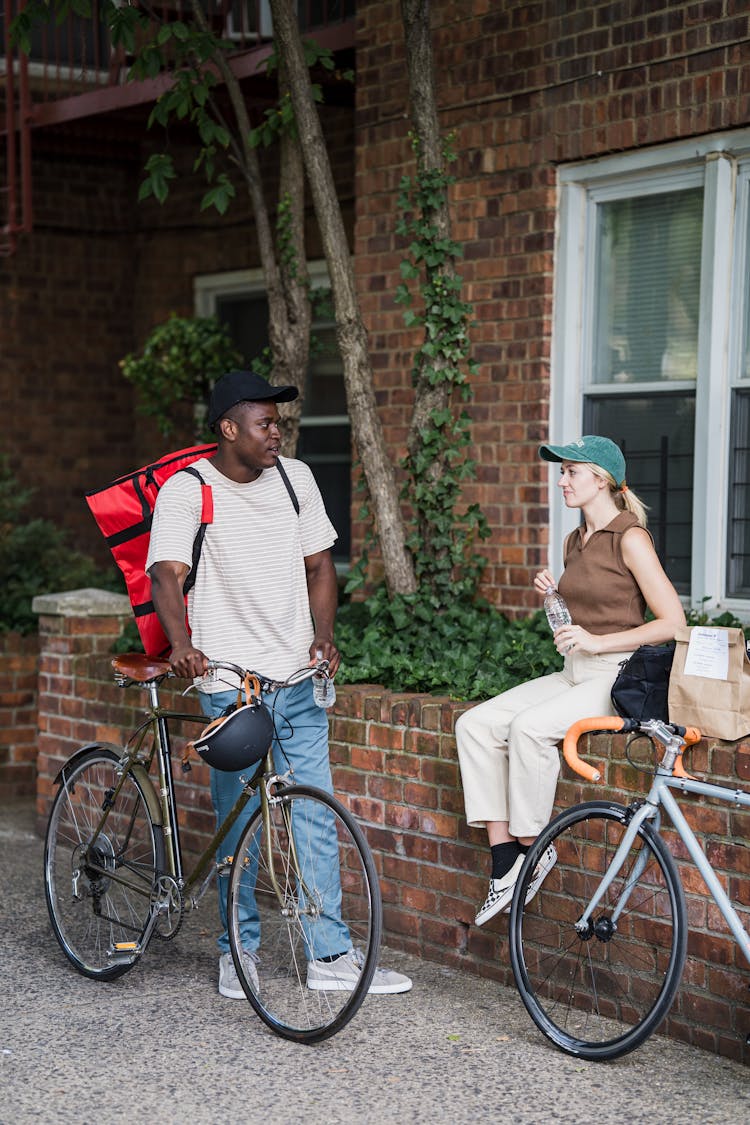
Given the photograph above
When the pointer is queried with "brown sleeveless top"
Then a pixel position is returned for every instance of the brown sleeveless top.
(602, 594)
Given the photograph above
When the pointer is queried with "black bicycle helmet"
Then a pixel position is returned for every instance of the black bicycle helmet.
(239, 738)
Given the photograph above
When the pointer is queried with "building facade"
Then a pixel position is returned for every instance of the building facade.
(601, 199)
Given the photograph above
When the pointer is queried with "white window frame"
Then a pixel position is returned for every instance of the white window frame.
(209, 288)
(718, 163)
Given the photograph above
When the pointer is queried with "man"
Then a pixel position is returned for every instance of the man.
(265, 597)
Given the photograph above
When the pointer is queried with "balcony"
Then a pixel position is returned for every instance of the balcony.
(73, 71)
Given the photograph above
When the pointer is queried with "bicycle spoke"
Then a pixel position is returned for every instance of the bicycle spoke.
(599, 993)
(305, 888)
(100, 863)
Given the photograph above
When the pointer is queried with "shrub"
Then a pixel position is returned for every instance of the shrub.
(36, 558)
(467, 651)
(180, 362)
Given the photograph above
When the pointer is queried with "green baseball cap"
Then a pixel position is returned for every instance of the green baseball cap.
(593, 449)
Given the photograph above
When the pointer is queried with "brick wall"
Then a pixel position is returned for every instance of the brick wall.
(523, 87)
(18, 714)
(86, 287)
(394, 760)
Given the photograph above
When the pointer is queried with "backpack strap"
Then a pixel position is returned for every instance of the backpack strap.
(288, 486)
(207, 517)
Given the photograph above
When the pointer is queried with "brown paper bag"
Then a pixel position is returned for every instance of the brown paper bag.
(719, 708)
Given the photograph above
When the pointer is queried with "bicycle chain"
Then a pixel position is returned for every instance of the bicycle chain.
(169, 923)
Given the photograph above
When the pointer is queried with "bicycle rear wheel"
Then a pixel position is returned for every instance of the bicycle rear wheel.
(600, 993)
(99, 884)
(303, 887)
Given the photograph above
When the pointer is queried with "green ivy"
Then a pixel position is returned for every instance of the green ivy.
(465, 651)
(468, 652)
(443, 540)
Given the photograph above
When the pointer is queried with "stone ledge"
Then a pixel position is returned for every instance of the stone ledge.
(82, 603)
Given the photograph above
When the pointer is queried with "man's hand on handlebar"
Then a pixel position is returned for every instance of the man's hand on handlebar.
(188, 661)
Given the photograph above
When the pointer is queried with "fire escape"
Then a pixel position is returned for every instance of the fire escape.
(73, 73)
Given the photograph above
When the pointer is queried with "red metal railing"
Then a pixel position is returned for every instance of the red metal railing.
(16, 191)
(73, 71)
(76, 56)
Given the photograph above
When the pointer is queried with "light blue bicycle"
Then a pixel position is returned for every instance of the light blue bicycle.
(598, 954)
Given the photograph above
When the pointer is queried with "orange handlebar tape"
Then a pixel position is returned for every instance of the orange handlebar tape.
(570, 745)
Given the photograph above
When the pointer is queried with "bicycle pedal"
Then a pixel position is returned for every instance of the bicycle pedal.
(224, 865)
(123, 952)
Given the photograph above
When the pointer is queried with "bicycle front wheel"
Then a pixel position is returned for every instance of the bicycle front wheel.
(600, 991)
(100, 870)
(303, 890)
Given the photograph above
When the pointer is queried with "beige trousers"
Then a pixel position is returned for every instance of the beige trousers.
(507, 747)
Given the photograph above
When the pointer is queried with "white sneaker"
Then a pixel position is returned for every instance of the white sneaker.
(500, 894)
(342, 975)
(543, 868)
(229, 982)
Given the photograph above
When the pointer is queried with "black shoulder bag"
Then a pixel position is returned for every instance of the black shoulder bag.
(642, 685)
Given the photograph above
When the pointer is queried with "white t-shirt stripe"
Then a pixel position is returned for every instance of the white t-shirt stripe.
(249, 604)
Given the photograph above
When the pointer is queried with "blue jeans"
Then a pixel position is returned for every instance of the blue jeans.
(302, 742)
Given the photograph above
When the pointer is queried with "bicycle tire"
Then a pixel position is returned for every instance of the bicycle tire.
(292, 927)
(98, 891)
(599, 995)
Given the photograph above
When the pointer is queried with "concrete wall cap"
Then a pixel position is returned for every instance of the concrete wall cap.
(82, 603)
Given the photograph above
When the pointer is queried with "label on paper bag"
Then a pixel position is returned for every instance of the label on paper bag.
(708, 653)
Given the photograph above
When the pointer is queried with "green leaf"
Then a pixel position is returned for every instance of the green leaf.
(220, 195)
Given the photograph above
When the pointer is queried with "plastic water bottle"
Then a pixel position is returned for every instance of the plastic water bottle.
(324, 691)
(557, 611)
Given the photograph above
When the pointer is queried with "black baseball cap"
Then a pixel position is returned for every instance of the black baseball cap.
(243, 386)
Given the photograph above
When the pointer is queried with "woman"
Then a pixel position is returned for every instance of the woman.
(507, 747)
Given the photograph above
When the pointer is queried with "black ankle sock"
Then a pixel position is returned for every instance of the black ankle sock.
(503, 857)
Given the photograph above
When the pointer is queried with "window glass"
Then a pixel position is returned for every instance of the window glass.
(738, 546)
(656, 433)
(324, 436)
(648, 255)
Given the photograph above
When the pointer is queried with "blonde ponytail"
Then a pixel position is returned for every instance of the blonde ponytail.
(625, 499)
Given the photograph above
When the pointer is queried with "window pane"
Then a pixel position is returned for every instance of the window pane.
(648, 285)
(324, 444)
(325, 394)
(326, 449)
(246, 318)
(738, 539)
(744, 365)
(655, 432)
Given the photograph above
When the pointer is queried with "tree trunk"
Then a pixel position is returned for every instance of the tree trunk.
(290, 337)
(350, 329)
(415, 15)
(285, 277)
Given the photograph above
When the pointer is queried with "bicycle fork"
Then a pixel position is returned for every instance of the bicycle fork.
(303, 890)
(647, 811)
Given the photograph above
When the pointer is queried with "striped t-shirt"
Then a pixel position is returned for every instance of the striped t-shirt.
(249, 604)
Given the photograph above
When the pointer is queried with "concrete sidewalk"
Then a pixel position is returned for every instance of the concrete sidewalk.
(160, 1044)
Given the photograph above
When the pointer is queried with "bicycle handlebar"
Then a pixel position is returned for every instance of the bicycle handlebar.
(687, 735)
(137, 668)
(266, 682)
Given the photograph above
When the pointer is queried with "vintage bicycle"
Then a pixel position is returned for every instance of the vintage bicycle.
(115, 875)
(598, 953)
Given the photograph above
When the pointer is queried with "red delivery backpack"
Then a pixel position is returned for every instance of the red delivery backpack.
(123, 511)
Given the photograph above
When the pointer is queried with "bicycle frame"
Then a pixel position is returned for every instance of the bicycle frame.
(659, 797)
(262, 779)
